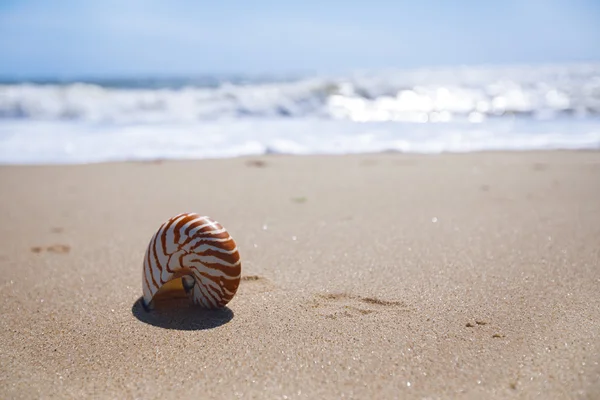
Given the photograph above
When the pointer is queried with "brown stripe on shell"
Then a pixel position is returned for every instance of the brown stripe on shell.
(194, 225)
(146, 277)
(209, 236)
(211, 225)
(179, 225)
(227, 258)
(156, 286)
(227, 245)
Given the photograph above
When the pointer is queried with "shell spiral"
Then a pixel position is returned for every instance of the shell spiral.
(201, 252)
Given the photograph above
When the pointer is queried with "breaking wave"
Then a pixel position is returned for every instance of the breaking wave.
(441, 95)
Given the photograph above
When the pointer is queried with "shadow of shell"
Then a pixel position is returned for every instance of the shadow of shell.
(179, 314)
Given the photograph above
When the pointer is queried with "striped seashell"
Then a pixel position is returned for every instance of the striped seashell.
(198, 250)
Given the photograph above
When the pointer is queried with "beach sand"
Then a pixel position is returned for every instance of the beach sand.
(472, 276)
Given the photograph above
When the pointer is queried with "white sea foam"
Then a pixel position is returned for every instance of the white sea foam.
(459, 109)
(61, 142)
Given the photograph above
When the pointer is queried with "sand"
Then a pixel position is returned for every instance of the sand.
(473, 276)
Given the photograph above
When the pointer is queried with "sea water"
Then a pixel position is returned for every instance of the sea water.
(458, 109)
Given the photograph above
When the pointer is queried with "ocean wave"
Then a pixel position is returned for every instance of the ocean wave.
(432, 95)
(35, 142)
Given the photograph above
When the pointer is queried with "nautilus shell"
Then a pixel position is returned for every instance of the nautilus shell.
(192, 254)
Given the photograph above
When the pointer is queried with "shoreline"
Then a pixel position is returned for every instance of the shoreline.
(250, 157)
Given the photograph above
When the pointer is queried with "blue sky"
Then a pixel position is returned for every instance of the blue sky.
(149, 37)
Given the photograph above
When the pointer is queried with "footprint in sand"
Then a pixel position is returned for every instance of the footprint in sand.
(55, 248)
(479, 324)
(255, 284)
(340, 305)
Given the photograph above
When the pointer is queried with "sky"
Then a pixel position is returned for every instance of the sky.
(112, 38)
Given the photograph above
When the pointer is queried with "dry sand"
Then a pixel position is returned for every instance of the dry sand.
(377, 276)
